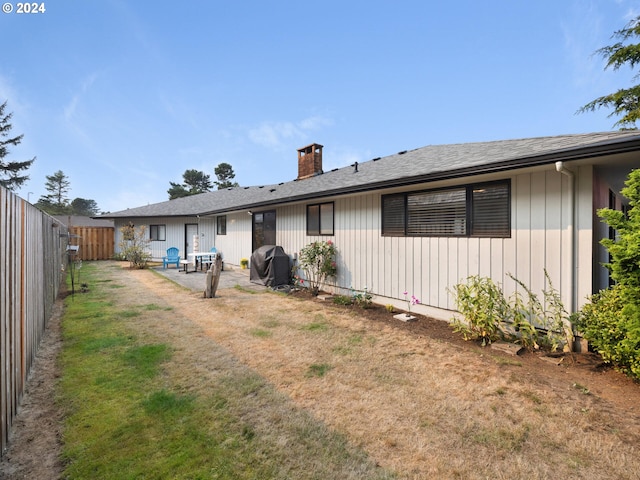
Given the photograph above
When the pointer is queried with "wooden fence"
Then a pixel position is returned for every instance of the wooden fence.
(96, 243)
(33, 256)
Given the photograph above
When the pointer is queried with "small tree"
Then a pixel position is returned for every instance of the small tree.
(134, 246)
(10, 176)
(225, 175)
(318, 262)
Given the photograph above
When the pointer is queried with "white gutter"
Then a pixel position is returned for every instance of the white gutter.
(572, 244)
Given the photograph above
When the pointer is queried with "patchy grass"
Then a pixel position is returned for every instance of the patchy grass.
(318, 369)
(135, 408)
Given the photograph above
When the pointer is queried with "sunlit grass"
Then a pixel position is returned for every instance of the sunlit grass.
(127, 414)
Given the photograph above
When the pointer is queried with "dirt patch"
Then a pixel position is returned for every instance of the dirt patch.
(417, 397)
(35, 440)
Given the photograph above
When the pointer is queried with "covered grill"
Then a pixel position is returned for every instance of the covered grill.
(270, 266)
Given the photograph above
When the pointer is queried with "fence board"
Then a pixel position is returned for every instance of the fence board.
(32, 256)
(96, 243)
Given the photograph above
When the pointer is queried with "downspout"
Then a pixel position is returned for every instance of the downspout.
(572, 257)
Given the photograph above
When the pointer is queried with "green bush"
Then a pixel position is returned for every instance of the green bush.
(362, 299)
(612, 330)
(489, 315)
(611, 322)
(484, 308)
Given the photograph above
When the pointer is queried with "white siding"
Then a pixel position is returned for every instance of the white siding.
(429, 267)
(175, 233)
(236, 244)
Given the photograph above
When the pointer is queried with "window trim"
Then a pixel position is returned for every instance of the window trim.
(159, 228)
(394, 230)
(319, 232)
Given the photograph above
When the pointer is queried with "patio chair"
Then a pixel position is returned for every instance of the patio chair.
(172, 256)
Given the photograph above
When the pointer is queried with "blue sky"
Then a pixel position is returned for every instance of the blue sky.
(124, 96)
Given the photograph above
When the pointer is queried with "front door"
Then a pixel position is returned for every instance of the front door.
(190, 229)
(264, 229)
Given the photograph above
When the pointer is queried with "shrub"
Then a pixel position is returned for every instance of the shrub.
(490, 316)
(611, 322)
(318, 262)
(134, 246)
(612, 330)
(552, 320)
(362, 299)
(484, 307)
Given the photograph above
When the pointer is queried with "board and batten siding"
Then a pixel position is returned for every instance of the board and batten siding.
(175, 233)
(236, 244)
(428, 267)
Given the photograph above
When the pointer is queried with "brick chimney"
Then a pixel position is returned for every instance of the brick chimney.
(309, 161)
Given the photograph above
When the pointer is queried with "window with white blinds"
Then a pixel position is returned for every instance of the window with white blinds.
(481, 210)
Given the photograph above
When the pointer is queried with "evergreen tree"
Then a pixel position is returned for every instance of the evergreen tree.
(194, 182)
(85, 207)
(10, 176)
(56, 202)
(626, 101)
(225, 175)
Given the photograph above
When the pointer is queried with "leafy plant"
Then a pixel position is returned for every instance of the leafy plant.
(317, 261)
(134, 246)
(611, 332)
(522, 318)
(483, 306)
(531, 318)
(362, 299)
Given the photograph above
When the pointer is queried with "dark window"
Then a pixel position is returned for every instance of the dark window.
(481, 210)
(221, 225)
(393, 214)
(158, 232)
(491, 212)
(320, 219)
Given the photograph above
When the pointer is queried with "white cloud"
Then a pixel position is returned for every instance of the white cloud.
(274, 134)
(72, 106)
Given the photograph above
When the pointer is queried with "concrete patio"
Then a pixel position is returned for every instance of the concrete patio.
(229, 278)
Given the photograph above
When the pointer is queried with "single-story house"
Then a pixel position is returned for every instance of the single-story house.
(423, 220)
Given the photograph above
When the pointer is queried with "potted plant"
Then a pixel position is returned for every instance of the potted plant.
(244, 263)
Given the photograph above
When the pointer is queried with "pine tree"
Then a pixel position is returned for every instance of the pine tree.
(10, 176)
(56, 202)
(626, 101)
(225, 175)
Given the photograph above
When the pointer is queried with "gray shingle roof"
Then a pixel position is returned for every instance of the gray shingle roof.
(414, 166)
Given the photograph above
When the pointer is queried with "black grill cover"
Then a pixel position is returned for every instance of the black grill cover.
(270, 266)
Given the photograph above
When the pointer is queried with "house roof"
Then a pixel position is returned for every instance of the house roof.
(83, 221)
(431, 163)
